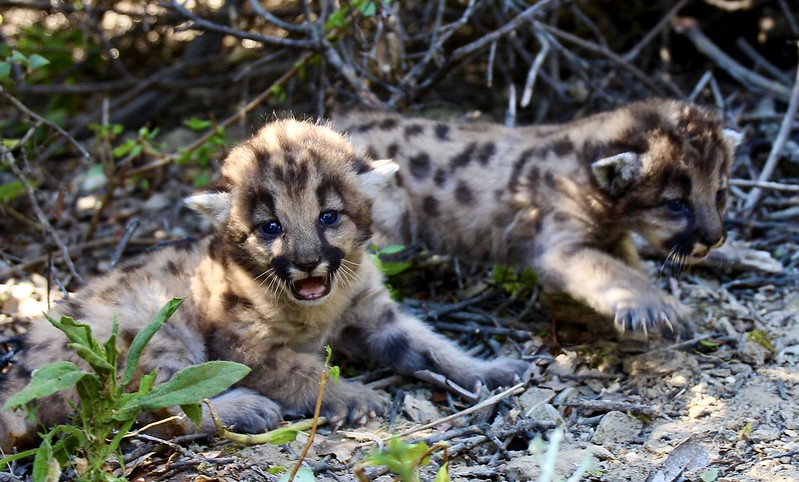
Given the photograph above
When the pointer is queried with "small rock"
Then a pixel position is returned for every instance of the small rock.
(547, 413)
(660, 363)
(616, 428)
(419, 409)
(752, 352)
(567, 395)
(87, 203)
(765, 434)
(533, 397)
(156, 202)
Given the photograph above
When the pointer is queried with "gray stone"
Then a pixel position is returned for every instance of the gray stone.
(616, 428)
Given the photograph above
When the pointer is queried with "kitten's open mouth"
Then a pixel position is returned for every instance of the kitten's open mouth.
(311, 288)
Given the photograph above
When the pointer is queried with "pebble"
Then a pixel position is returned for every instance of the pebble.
(617, 428)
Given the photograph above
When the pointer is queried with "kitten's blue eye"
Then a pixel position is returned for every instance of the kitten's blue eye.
(271, 228)
(677, 205)
(329, 217)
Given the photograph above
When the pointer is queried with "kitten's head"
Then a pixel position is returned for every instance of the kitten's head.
(293, 208)
(667, 176)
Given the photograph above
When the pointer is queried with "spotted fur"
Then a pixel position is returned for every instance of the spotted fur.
(563, 199)
(284, 273)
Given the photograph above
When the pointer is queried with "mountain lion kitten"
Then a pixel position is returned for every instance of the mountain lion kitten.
(562, 199)
(285, 272)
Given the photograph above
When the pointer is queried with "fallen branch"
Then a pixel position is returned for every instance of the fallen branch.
(776, 149)
(514, 390)
(689, 28)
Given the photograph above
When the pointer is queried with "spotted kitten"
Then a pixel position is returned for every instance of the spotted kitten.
(284, 273)
(562, 199)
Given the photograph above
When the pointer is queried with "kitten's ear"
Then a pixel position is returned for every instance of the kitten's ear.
(214, 205)
(732, 138)
(379, 173)
(615, 173)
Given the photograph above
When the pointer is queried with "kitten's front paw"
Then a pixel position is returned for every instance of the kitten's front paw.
(352, 403)
(243, 410)
(654, 310)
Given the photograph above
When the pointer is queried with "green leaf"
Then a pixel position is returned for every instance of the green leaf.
(281, 436)
(45, 466)
(391, 269)
(197, 124)
(393, 249)
(124, 148)
(443, 473)
(144, 336)
(334, 373)
(21, 455)
(17, 56)
(367, 8)
(11, 190)
(146, 382)
(5, 70)
(194, 411)
(202, 179)
(277, 469)
(36, 61)
(303, 475)
(46, 381)
(337, 19)
(98, 362)
(190, 385)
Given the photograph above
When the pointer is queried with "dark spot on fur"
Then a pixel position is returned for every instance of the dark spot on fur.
(463, 158)
(430, 206)
(127, 334)
(398, 179)
(440, 177)
(413, 130)
(388, 124)
(387, 317)
(361, 165)
(549, 179)
(231, 300)
(393, 150)
(364, 127)
(442, 132)
(533, 175)
(74, 308)
(107, 294)
(486, 152)
(396, 346)
(131, 267)
(563, 146)
(420, 165)
(518, 165)
(173, 268)
(463, 193)
(372, 153)
(560, 217)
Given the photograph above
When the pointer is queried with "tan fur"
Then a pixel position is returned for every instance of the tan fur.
(562, 199)
(270, 301)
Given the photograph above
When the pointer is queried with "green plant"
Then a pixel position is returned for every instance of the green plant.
(203, 154)
(512, 281)
(106, 411)
(30, 63)
(405, 460)
(388, 268)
